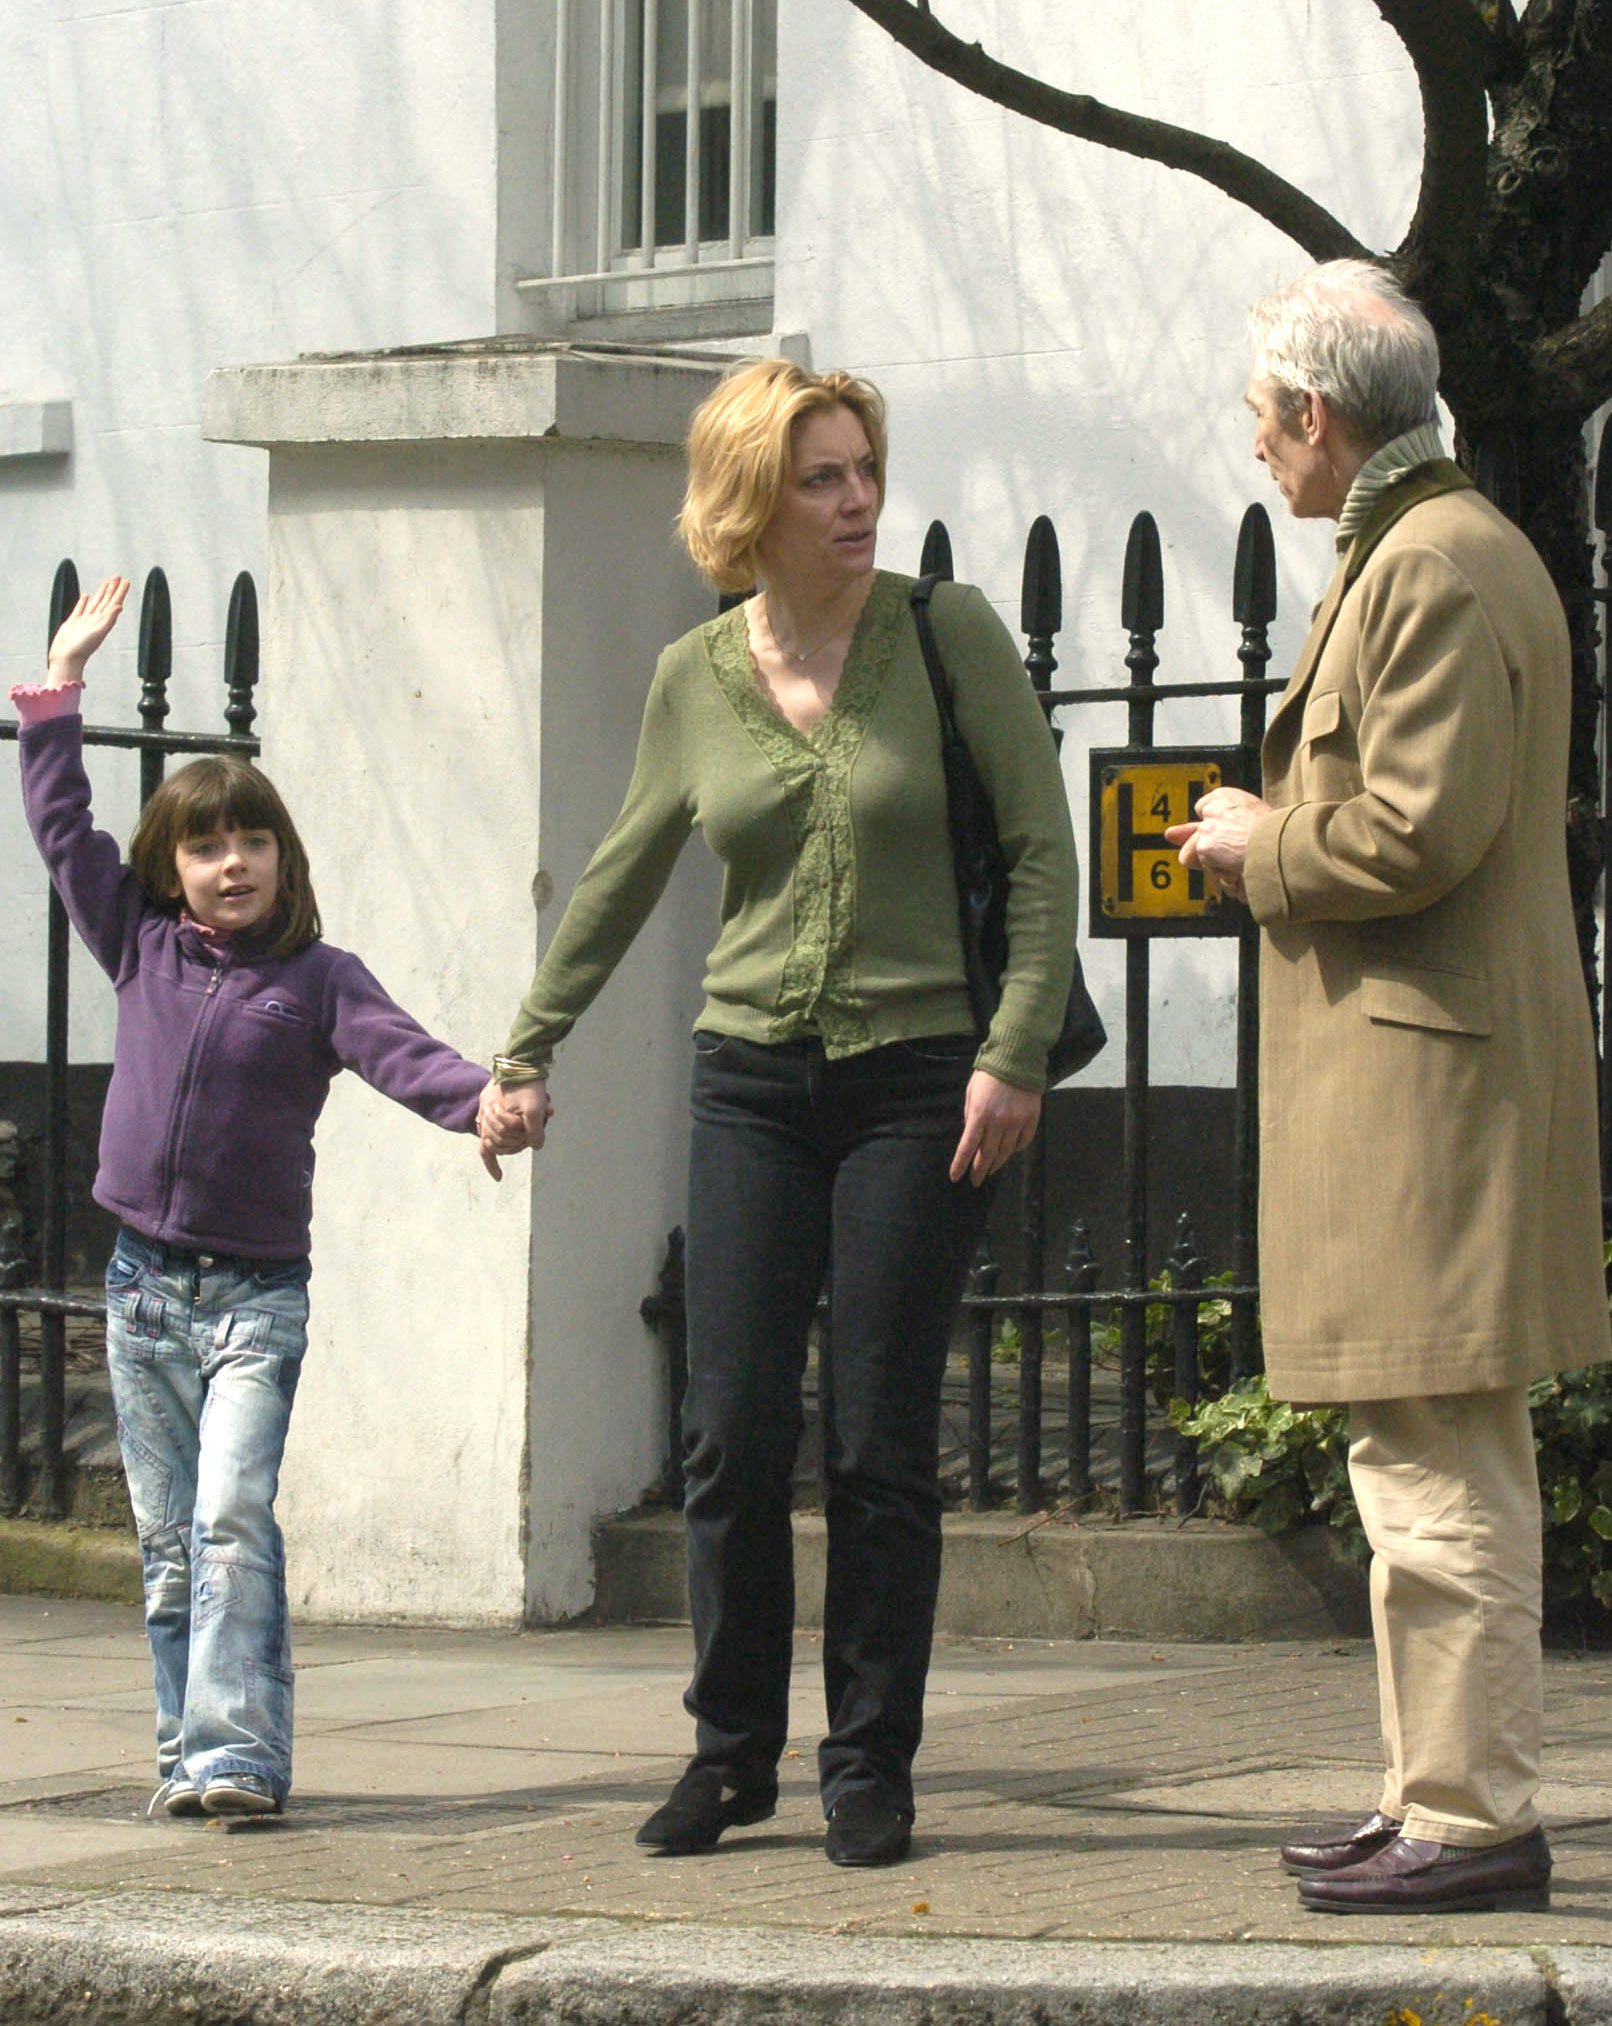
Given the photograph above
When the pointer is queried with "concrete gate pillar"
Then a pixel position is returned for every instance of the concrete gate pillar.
(470, 573)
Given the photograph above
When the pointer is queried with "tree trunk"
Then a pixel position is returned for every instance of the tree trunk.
(1539, 474)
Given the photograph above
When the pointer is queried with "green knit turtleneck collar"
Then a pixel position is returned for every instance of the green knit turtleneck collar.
(1399, 455)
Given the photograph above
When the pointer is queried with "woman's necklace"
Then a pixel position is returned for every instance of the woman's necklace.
(800, 658)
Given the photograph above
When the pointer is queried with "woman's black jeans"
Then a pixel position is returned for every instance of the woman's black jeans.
(800, 1168)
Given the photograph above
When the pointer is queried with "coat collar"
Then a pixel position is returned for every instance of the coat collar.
(229, 947)
(1426, 482)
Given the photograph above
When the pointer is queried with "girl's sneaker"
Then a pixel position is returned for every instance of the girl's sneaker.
(176, 1796)
(240, 1794)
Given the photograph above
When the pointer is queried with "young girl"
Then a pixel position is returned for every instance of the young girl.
(233, 1017)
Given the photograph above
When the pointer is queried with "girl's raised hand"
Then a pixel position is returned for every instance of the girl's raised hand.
(83, 630)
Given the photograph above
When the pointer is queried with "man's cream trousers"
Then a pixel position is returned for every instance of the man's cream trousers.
(1448, 1492)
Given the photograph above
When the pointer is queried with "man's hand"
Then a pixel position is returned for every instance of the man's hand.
(83, 630)
(1218, 842)
(510, 1118)
(998, 1119)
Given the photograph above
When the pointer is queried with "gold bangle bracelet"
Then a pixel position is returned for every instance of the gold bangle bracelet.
(507, 1070)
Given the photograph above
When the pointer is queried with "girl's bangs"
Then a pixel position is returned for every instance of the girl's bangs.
(226, 801)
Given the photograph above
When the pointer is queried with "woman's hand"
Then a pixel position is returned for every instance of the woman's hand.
(509, 1118)
(83, 630)
(999, 1120)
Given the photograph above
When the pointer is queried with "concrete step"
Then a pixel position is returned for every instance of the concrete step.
(1003, 1577)
(99, 1564)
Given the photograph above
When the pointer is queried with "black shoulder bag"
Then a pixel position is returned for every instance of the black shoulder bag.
(982, 876)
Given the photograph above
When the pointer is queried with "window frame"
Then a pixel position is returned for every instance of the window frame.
(576, 278)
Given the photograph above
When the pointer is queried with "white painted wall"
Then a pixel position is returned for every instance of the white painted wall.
(457, 640)
(610, 1185)
(183, 187)
(1059, 329)
(393, 678)
(467, 589)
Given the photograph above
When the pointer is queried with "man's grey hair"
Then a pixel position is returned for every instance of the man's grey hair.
(1348, 332)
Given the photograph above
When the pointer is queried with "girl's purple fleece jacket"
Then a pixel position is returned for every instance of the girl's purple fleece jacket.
(224, 1054)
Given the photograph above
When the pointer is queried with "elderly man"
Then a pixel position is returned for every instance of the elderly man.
(1430, 1228)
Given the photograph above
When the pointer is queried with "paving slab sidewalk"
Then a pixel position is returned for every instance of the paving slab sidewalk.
(1095, 1842)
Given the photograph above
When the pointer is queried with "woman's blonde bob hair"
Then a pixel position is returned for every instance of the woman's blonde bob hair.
(739, 445)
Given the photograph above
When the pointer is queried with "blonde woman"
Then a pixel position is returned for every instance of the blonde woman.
(845, 1113)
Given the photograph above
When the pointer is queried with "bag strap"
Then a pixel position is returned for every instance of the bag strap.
(934, 667)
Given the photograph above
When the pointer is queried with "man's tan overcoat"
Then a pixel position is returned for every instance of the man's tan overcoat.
(1430, 1195)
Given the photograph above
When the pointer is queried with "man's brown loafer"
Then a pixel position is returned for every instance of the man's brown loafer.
(1410, 1876)
(1374, 1834)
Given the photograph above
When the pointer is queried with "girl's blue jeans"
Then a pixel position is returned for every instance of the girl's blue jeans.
(204, 1354)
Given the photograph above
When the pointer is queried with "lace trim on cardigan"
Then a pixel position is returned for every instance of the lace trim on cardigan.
(817, 986)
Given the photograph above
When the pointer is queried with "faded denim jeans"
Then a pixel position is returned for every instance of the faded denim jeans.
(204, 1354)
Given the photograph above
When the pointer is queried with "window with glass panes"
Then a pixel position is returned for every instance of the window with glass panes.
(666, 111)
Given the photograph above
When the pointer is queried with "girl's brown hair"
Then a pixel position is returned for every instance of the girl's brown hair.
(223, 793)
(738, 457)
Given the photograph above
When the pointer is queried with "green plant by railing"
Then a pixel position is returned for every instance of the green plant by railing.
(1281, 1466)
(1573, 1440)
(1214, 1339)
(1277, 1465)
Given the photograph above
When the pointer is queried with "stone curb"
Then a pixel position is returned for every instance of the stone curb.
(147, 1959)
(151, 1959)
(98, 1564)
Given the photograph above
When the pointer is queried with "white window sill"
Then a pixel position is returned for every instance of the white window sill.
(718, 299)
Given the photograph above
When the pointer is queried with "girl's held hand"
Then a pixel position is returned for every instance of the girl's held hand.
(999, 1120)
(510, 1118)
(83, 630)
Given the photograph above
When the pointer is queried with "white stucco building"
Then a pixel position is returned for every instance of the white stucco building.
(465, 565)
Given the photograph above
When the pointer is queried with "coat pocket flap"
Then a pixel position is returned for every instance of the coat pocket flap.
(1422, 995)
(1323, 713)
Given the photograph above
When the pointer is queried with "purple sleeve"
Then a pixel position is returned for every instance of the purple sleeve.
(371, 1034)
(103, 898)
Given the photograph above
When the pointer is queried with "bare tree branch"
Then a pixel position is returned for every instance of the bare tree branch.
(1448, 45)
(1574, 364)
(1505, 62)
(1239, 176)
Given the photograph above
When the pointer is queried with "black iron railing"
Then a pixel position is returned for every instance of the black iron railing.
(1119, 1419)
(51, 1299)
(1601, 597)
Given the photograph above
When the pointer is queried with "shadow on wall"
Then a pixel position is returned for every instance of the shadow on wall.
(1060, 328)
